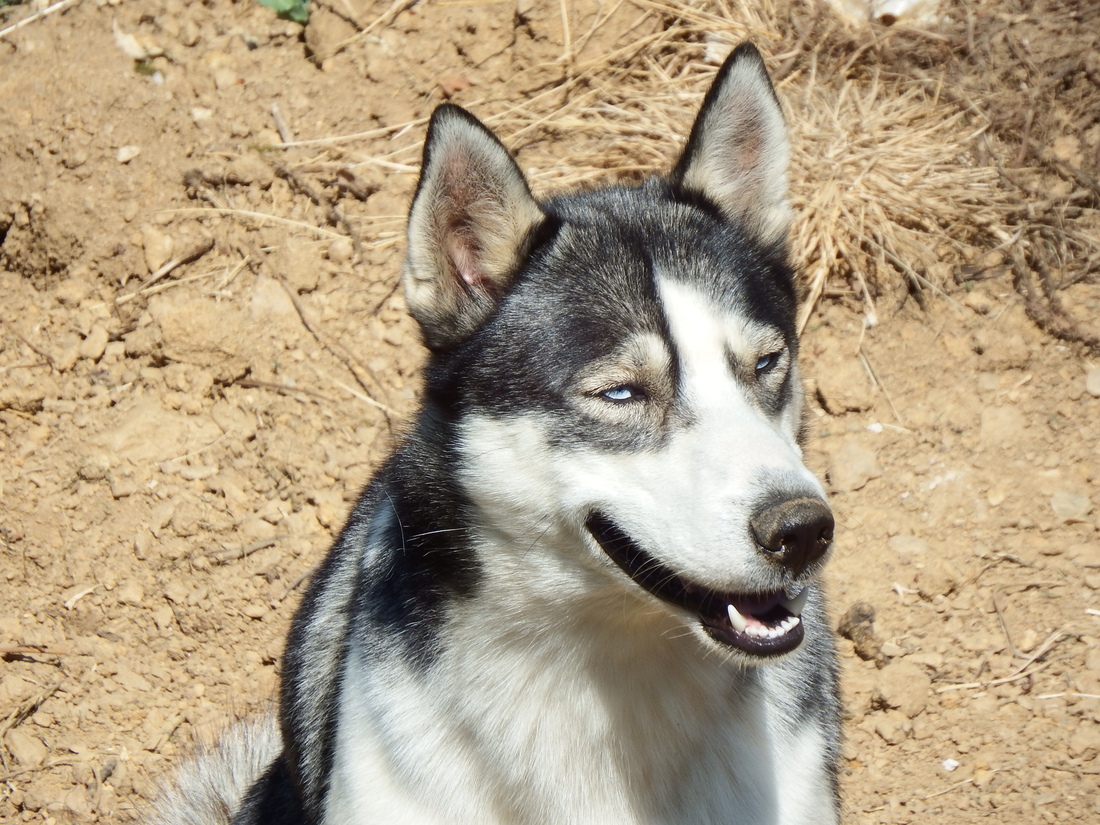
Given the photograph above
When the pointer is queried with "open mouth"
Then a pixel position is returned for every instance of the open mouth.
(761, 624)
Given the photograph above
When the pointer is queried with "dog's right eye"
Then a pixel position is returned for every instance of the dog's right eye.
(622, 394)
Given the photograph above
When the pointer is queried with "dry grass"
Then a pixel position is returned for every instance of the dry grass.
(905, 172)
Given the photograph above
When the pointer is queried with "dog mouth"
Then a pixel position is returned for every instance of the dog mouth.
(760, 624)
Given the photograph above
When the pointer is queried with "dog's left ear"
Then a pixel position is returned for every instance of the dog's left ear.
(470, 224)
(737, 154)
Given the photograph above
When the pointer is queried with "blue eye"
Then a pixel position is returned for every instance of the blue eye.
(622, 393)
(767, 362)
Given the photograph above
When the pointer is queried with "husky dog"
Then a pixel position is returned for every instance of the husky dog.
(586, 587)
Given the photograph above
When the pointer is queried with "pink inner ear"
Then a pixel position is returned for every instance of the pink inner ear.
(462, 252)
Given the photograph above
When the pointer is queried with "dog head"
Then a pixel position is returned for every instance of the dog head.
(619, 368)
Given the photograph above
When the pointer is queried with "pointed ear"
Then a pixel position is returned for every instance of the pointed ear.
(471, 222)
(737, 154)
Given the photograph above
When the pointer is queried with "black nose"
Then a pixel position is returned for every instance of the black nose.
(794, 533)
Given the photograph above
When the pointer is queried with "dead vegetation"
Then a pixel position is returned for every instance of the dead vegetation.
(922, 159)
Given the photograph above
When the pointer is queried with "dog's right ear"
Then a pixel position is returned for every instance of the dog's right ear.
(471, 222)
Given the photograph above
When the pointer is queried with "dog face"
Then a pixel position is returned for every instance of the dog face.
(619, 369)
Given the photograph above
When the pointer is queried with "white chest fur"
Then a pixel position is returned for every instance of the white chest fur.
(597, 721)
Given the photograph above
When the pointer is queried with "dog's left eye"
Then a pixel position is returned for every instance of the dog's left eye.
(767, 363)
(622, 394)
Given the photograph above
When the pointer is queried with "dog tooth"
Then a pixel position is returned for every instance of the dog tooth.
(797, 604)
(736, 619)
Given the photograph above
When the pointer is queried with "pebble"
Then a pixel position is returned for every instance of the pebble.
(250, 169)
(852, 466)
(1085, 742)
(904, 686)
(908, 548)
(1001, 424)
(157, 247)
(27, 750)
(979, 302)
(130, 593)
(1070, 507)
(340, 250)
(76, 803)
(1092, 382)
(127, 153)
(893, 727)
(95, 344)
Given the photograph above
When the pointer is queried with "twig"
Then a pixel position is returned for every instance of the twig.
(954, 787)
(28, 707)
(192, 254)
(37, 350)
(280, 124)
(256, 216)
(251, 383)
(1021, 672)
(33, 650)
(53, 763)
(335, 215)
(366, 398)
(28, 20)
(881, 386)
(353, 364)
(228, 555)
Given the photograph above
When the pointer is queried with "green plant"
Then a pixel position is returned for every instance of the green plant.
(296, 10)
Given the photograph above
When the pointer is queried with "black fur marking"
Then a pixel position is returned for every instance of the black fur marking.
(273, 800)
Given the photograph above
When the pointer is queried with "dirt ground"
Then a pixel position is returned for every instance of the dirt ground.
(203, 354)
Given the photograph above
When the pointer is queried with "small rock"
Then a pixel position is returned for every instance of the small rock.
(131, 680)
(249, 169)
(72, 291)
(161, 515)
(95, 467)
(157, 247)
(904, 686)
(979, 302)
(937, 577)
(893, 727)
(123, 486)
(254, 610)
(127, 153)
(95, 344)
(1070, 507)
(949, 765)
(1028, 640)
(852, 466)
(1001, 424)
(1085, 741)
(340, 250)
(908, 548)
(164, 617)
(130, 593)
(76, 803)
(843, 385)
(27, 750)
(1092, 382)
(452, 84)
(225, 78)
(324, 34)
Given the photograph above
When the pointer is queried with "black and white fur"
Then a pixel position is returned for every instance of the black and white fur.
(585, 589)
